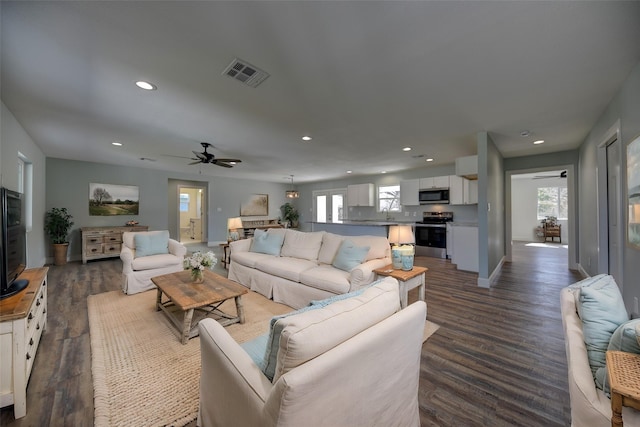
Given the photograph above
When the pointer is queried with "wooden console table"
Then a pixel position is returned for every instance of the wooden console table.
(23, 318)
(104, 242)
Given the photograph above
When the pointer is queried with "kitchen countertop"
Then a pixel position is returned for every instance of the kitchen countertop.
(463, 224)
(366, 222)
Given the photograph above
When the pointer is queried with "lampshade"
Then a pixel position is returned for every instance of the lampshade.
(401, 234)
(234, 223)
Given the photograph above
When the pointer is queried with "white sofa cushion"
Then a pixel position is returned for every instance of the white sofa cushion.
(285, 267)
(330, 245)
(250, 259)
(378, 246)
(327, 278)
(314, 332)
(155, 261)
(298, 244)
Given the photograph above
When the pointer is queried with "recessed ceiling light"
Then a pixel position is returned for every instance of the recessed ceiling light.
(146, 85)
(429, 160)
(117, 143)
(406, 149)
(349, 171)
(383, 171)
(306, 138)
(538, 142)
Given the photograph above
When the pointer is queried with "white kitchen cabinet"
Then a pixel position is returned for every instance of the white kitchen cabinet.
(434, 182)
(409, 192)
(462, 191)
(449, 241)
(360, 195)
(467, 167)
(465, 242)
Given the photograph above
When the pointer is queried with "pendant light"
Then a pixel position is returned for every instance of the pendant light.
(292, 194)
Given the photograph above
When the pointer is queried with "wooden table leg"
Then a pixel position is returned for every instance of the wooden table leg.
(158, 300)
(616, 410)
(240, 309)
(186, 326)
(421, 288)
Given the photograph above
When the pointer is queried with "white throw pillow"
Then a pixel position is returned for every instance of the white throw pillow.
(298, 244)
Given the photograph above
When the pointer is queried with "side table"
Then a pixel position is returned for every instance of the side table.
(225, 255)
(407, 279)
(624, 380)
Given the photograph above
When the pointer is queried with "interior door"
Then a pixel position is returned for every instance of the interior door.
(329, 205)
(613, 209)
(191, 214)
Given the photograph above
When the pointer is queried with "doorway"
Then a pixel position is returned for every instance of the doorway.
(191, 214)
(534, 195)
(328, 205)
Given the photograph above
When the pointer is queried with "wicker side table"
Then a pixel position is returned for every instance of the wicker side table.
(624, 379)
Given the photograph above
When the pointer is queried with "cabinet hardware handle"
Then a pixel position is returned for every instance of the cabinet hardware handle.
(31, 341)
(38, 303)
(28, 356)
(38, 325)
(30, 316)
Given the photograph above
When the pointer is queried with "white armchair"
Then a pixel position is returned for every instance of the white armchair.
(160, 255)
(354, 362)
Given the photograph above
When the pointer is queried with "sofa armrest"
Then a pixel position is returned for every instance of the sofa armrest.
(233, 389)
(363, 274)
(126, 255)
(242, 245)
(176, 248)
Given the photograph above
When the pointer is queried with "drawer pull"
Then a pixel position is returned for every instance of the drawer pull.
(30, 316)
(38, 325)
(38, 303)
(31, 341)
(94, 250)
(44, 310)
(28, 356)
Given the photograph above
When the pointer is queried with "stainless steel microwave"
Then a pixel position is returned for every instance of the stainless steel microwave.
(434, 196)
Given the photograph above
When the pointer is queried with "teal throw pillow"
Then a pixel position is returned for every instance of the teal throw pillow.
(350, 256)
(267, 243)
(602, 310)
(151, 244)
(256, 349)
(625, 338)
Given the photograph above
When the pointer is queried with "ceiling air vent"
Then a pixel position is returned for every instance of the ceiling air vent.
(245, 72)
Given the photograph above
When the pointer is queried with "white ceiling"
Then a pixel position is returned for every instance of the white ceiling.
(363, 78)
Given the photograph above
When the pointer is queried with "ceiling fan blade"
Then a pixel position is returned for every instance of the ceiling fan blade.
(228, 160)
(224, 165)
(196, 162)
(201, 156)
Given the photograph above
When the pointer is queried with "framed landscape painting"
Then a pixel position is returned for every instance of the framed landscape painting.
(256, 205)
(110, 199)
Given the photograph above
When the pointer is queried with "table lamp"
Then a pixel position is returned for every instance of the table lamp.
(401, 235)
(233, 225)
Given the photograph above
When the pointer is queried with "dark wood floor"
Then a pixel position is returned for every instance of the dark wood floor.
(497, 360)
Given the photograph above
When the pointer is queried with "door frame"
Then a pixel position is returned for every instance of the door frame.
(603, 267)
(329, 193)
(571, 220)
(204, 210)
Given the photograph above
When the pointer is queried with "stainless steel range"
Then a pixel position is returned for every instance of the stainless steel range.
(431, 234)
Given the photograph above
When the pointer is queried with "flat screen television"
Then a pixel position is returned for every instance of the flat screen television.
(13, 251)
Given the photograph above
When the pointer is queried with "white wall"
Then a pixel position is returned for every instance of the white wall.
(524, 205)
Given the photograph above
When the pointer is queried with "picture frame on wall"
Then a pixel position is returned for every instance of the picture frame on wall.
(633, 193)
(255, 205)
(112, 199)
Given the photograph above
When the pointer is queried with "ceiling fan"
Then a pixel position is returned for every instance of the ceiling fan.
(206, 157)
(563, 174)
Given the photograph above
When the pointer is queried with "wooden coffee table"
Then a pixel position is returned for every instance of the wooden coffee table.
(186, 298)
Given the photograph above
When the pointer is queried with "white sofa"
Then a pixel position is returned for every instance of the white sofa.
(137, 271)
(590, 407)
(354, 362)
(302, 270)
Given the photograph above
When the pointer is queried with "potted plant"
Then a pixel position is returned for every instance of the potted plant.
(57, 223)
(289, 214)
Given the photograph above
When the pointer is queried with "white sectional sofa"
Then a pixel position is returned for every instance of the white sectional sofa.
(297, 267)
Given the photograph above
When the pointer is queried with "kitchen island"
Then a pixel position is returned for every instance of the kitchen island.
(357, 227)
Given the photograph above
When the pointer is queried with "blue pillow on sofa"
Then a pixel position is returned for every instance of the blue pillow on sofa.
(266, 243)
(350, 256)
(625, 338)
(601, 310)
(151, 244)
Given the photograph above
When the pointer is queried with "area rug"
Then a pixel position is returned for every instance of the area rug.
(142, 374)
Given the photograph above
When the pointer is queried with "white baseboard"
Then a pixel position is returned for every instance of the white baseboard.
(486, 283)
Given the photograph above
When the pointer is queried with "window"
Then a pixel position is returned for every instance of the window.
(389, 198)
(328, 205)
(553, 201)
(184, 202)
